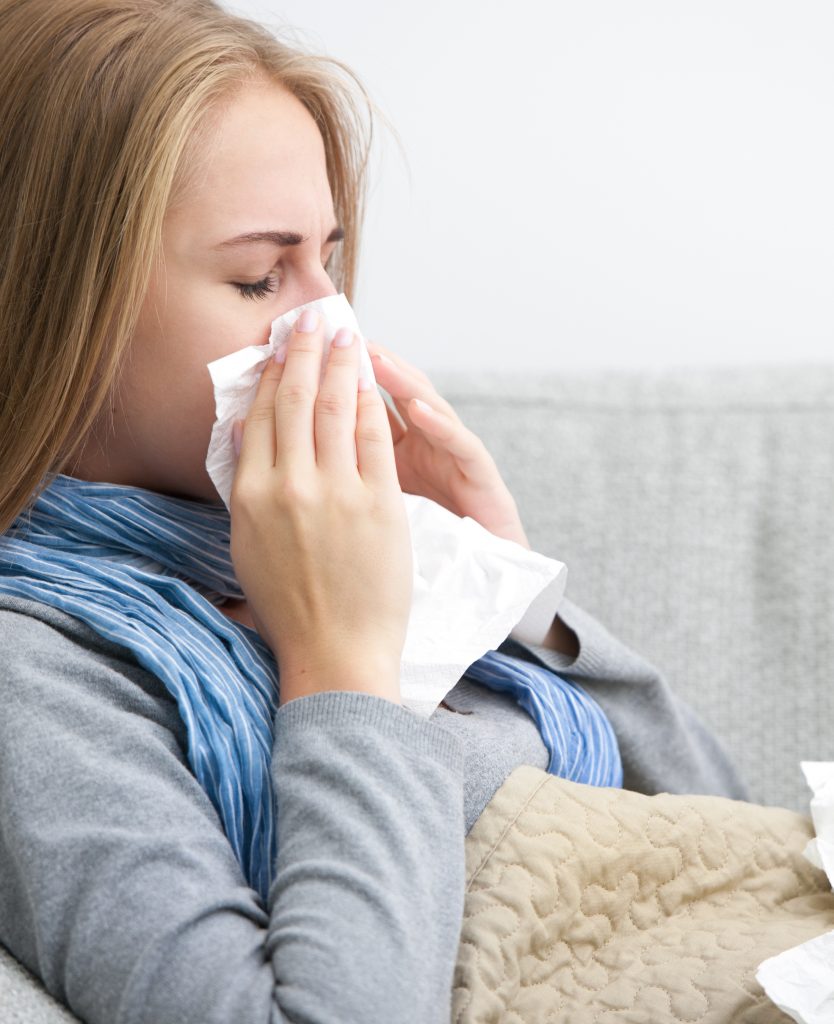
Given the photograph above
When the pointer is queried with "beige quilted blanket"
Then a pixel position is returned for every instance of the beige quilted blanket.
(602, 905)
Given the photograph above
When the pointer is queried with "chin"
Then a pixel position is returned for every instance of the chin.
(206, 491)
(196, 488)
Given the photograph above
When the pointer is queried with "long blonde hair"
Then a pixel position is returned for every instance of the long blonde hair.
(101, 102)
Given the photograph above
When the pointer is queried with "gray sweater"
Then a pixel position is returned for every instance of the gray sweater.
(119, 889)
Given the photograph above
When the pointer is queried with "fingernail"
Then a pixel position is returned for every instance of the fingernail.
(237, 435)
(423, 405)
(307, 322)
(383, 359)
(343, 337)
(364, 385)
(280, 353)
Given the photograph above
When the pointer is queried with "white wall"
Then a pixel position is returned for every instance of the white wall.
(593, 182)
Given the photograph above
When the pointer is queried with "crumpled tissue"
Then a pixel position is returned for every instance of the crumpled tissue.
(471, 589)
(800, 981)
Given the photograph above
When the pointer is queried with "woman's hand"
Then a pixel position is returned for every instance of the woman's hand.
(437, 456)
(320, 545)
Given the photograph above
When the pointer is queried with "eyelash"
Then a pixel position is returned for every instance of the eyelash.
(258, 290)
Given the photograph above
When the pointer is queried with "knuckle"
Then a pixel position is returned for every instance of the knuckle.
(294, 491)
(295, 394)
(330, 403)
(260, 412)
(375, 433)
(247, 494)
(251, 495)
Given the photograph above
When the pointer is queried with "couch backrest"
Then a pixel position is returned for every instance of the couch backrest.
(695, 512)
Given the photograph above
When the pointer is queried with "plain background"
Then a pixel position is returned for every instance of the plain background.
(593, 183)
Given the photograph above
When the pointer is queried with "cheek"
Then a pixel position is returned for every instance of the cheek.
(210, 332)
(167, 387)
(183, 326)
(180, 341)
(167, 397)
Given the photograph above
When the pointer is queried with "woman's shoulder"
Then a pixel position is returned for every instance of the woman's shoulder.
(34, 625)
(48, 655)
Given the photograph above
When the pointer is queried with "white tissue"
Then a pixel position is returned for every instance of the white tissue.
(471, 589)
(800, 981)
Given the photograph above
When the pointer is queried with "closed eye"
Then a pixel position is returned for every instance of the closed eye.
(258, 290)
(267, 286)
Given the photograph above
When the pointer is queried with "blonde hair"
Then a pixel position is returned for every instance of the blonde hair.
(101, 102)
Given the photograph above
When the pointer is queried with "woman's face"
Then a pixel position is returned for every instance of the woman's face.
(263, 171)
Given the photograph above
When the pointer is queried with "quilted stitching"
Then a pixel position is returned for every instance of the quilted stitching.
(587, 905)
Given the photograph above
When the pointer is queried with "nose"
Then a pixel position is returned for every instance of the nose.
(315, 284)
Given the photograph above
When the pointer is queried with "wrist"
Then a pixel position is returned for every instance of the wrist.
(377, 675)
(511, 529)
(562, 639)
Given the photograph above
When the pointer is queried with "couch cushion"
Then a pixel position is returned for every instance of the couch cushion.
(24, 1000)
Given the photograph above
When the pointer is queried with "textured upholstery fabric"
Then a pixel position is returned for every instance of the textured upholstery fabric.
(23, 1000)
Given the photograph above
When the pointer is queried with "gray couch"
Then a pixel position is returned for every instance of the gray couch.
(695, 511)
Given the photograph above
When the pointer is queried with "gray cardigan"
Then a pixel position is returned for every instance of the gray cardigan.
(119, 889)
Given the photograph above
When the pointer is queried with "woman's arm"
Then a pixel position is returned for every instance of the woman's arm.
(664, 745)
(120, 890)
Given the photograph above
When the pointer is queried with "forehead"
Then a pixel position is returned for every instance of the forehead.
(260, 163)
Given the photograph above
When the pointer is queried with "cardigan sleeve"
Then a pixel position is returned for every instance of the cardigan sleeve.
(120, 890)
(664, 745)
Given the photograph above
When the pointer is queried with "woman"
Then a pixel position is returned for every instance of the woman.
(148, 774)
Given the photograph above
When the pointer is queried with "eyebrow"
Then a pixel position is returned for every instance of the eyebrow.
(280, 238)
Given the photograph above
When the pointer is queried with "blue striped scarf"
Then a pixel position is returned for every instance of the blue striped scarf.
(148, 571)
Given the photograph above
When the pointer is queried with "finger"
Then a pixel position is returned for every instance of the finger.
(335, 412)
(451, 436)
(403, 405)
(374, 444)
(257, 434)
(391, 361)
(295, 398)
(395, 421)
(397, 360)
(403, 385)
